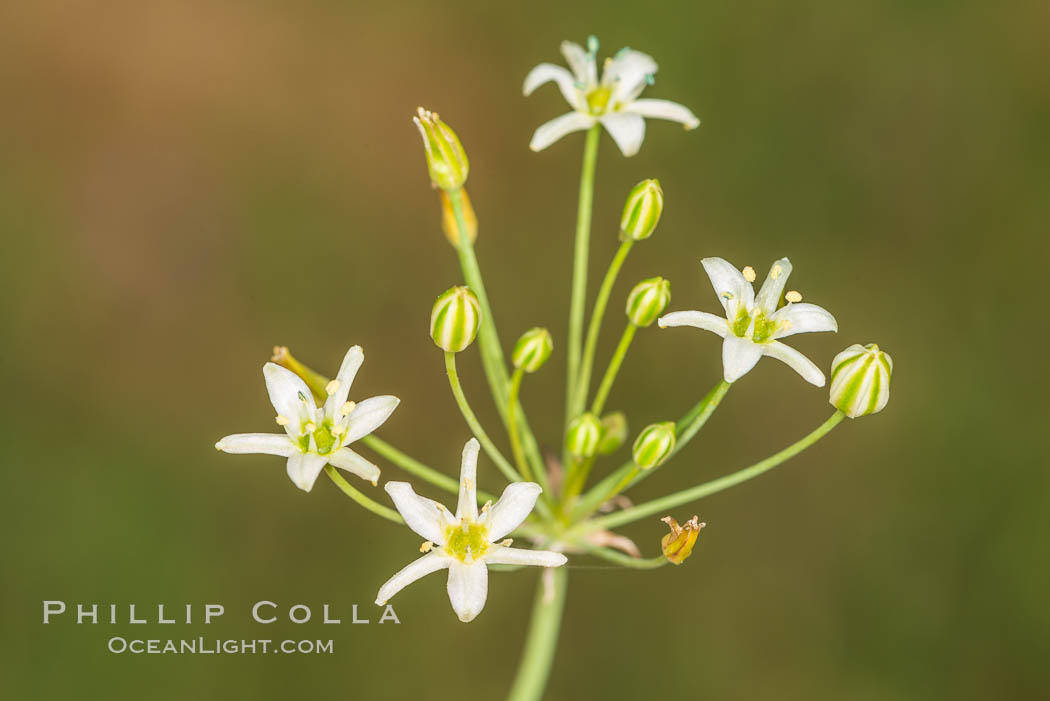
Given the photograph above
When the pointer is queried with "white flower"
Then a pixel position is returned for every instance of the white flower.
(465, 542)
(613, 101)
(315, 436)
(753, 323)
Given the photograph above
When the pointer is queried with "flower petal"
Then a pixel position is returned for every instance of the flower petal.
(289, 395)
(424, 516)
(500, 555)
(803, 318)
(798, 362)
(626, 129)
(346, 459)
(581, 62)
(513, 507)
(369, 415)
(547, 72)
(468, 588)
(417, 569)
(739, 355)
(265, 443)
(345, 377)
(468, 482)
(627, 73)
(664, 109)
(769, 295)
(549, 132)
(700, 320)
(303, 469)
(730, 285)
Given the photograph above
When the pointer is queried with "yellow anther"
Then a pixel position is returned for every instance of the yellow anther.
(793, 296)
(466, 483)
(775, 272)
(332, 387)
(282, 420)
(426, 547)
(347, 408)
(487, 506)
(749, 273)
(310, 427)
(506, 542)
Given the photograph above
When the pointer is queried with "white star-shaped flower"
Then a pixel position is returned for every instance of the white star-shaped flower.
(613, 101)
(315, 436)
(754, 323)
(465, 543)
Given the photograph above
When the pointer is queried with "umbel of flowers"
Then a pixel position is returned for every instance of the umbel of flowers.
(568, 506)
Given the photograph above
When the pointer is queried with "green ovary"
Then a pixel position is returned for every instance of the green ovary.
(598, 100)
(325, 439)
(466, 536)
(763, 330)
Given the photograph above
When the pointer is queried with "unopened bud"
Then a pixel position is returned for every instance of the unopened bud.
(583, 436)
(678, 544)
(532, 349)
(455, 320)
(860, 380)
(448, 218)
(446, 159)
(654, 445)
(614, 433)
(642, 211)
(648, 300)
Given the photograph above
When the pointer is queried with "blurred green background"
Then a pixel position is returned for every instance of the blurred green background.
(186, 184)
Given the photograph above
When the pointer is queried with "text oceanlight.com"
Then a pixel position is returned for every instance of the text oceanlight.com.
(204, 646)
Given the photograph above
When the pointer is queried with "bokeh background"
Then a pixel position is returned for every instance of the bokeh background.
(186, 184)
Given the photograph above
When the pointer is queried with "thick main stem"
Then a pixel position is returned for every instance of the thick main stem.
(542, 640)
(579, 267)
(583, 384)
(685, 496)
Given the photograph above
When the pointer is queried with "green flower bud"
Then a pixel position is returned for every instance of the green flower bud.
(446, 159)
(614, 433)
(583, 436)
(642, 211)
(654, 445)
(648, 300)
(455, 320)
(532, 349)
(860, 380)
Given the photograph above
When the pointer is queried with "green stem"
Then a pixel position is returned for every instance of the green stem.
(542, 640)
(373, 506)
(625, 560)
(579, 267)
(583, 384)
(614, 367)
(512, 425)
(685, 496)
(628, 474)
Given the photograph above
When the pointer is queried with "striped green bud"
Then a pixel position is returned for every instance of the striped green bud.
(532, 349)
(446, 159)
(654, 445)
(455, 320)
(614, 433)
(583, 436)
(642, 211)
(860, 380)
(648, 300)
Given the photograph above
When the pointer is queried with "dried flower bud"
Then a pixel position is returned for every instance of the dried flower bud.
(614, 433)
(448, 218)
(446, 159)
(654, 445)
(642, 211)
(860, 380)
(678, 544)
(532, 349)
(648, 300)
(455, 320)
(584, 433)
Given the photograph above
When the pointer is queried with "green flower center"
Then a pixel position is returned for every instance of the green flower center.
(598, 100)
(764, 326)
(468, 536)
